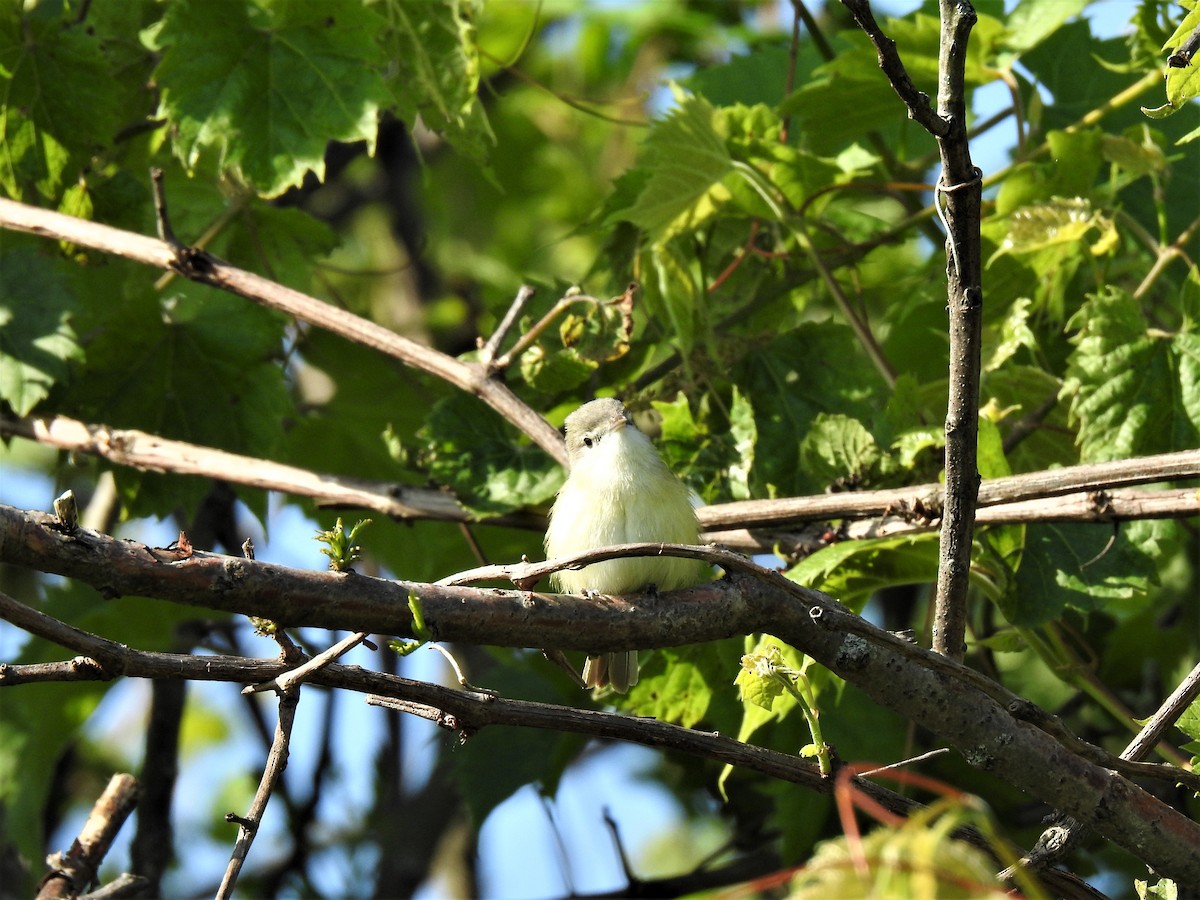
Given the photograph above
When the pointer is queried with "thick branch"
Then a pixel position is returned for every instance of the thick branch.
(198, 266)
(464, 711)
(948, 699)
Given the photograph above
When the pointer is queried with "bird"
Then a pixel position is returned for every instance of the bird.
(618, 491)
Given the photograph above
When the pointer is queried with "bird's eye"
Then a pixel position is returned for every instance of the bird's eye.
(587, 442)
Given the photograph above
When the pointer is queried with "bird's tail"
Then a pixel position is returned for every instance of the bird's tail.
(618, 669)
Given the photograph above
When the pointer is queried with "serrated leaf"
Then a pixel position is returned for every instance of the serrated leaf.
(1082, 566)
(1183, 82)
(471, 449)
(437, 69)
(685, 160)
(1057, 223)
(813, 369)
(37, 342)
(838, 448)
(60, 100)
(262, 90)
(1011, 335)
(1189, 721)
(1132, 390)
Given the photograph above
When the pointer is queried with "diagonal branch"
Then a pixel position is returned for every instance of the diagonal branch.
(200, 266)
(917, 101)
(468, 711)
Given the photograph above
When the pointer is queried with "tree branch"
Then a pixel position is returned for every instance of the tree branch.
(277, 761)
(466, 712)
(917, 101)
(992, 728)
(960, 188)
(76, 869)
(900, 510)
(198, 265)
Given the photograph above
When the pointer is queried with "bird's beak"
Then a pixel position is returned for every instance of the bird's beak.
(620, 422)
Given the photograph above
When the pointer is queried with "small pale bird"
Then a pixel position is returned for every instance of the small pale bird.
(619, 491)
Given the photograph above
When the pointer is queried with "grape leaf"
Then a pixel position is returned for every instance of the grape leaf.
(685, 160)
(59, 99)
(1067, 564)
(1132, 389)
(437, 69)
(471, 449)
(37, 342)
(262, 90)
(177, 369)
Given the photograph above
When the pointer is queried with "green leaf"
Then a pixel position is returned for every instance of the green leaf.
(555, 372)
(838, 449)
(261, 90)
(815, 368)
(1032, 21)
(687, 685)
(177, 369)
(684, 160)
(673, 293)
(1183, 82)
(745, 435)
(493, 763)
(1132, 390)
(1073, 565)
(472, 450)
(60, 99)
(37, 342)
(436, 73)
(1011, 335)
(755, 77)
(852, 571)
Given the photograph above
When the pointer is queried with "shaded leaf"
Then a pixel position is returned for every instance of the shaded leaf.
(37, 342)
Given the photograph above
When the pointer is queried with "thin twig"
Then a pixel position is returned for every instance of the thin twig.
(293, 678)
(276, 762)
(487, 354)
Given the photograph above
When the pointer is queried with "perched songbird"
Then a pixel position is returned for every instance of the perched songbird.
(619, 491)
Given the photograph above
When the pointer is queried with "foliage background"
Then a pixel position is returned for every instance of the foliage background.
(669, 143)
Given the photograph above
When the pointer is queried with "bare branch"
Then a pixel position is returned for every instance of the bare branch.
(293, 678)
(73, 871)
(276, 762)
(487, 353)
(991, 727)
(199, 266)
(895, 507)
(917, 102)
